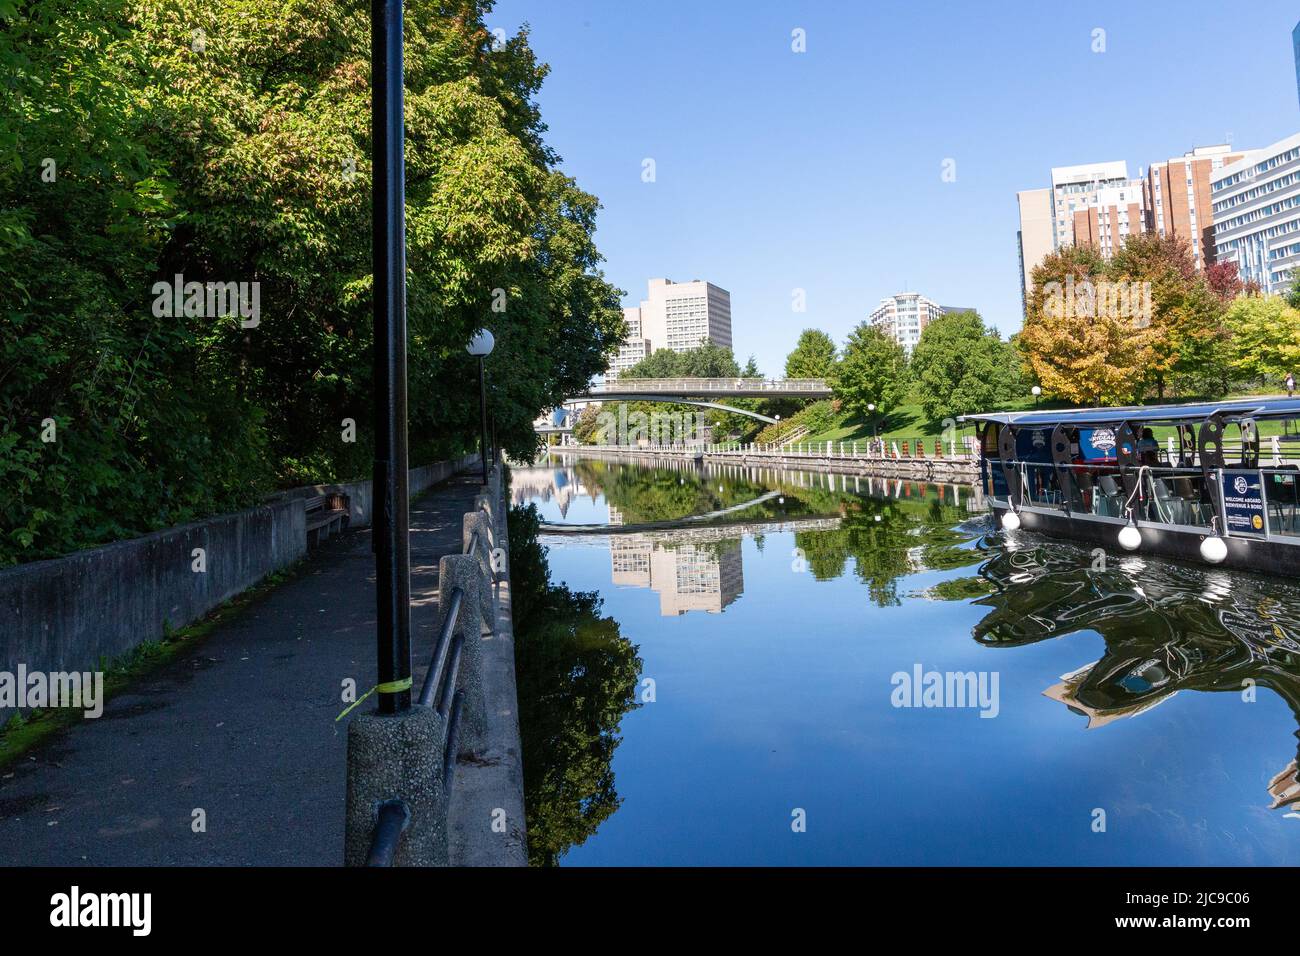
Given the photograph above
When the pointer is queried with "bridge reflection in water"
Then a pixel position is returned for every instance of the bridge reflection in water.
(694, 561)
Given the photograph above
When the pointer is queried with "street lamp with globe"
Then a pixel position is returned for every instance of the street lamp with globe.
(480, 346)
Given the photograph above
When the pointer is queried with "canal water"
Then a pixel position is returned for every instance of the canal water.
(784, 668)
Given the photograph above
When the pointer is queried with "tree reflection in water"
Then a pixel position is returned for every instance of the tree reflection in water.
(576, 678)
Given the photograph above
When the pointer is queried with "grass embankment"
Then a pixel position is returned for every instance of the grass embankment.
(909, 422)
(25, 731)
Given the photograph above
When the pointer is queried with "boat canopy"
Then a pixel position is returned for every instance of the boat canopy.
(1263, 407)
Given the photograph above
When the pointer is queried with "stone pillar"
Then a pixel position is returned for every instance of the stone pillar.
(397, 757)
(463, 571)
(477, 522)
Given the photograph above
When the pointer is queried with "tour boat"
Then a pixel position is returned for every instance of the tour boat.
(1214, 482)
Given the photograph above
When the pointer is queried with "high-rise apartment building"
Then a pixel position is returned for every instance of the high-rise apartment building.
(1036, 237)
(1114, 214)
(677, 316)
(1093, 203)
(1256, 208)
(635, 346)
(1097, 204)
(904, 316)
(1078, 189)
(1177, 197)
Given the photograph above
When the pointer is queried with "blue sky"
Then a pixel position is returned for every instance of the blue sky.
(822, 170)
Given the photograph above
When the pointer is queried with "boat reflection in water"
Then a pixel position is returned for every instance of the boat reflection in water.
(1167, 627)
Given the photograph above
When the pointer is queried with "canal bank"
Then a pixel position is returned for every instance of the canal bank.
(232, 754)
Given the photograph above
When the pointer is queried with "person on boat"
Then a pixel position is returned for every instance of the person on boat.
(1148, 448)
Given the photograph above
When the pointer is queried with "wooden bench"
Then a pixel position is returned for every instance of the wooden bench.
(326, 515)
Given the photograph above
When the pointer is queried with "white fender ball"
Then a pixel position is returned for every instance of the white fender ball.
(1214, 549)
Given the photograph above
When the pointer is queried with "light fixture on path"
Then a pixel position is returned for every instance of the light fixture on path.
(480, 346)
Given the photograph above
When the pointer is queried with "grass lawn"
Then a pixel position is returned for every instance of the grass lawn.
(904, 423)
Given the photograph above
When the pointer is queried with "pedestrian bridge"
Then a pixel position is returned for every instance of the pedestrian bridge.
(641, 388)
(695, 391)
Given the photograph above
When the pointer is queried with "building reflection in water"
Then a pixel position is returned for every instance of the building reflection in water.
(687, 570)
(1167, 628)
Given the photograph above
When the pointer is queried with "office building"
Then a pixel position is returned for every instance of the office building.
(1092, 202)
(1256, 208)
(904, 316)
(1177, 198)
(1097, 204)
(675, 315)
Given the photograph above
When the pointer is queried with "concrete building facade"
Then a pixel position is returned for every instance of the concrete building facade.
(675, 315)
(1036, 236)
(634, 348)
(1092, 202)
(1256, 208)
(1177, 197)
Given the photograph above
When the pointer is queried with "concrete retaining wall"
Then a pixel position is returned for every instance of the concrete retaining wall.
(71, 613)
(360, 496)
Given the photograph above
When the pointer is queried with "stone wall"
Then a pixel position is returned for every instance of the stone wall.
(74, 612)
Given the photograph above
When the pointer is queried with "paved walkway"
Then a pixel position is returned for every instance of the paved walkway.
(241, 726)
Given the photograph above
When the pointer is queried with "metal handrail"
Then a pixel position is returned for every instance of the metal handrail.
(394, 818)
(433, 678)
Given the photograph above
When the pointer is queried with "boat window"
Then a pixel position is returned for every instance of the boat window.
(989, 440)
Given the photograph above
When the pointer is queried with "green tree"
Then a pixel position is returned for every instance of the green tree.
(872, 371)
(1080, 352)
(587, 430)
(813, 356)
(228, 141)
(959, 366)
(1185, 313)
(1265, 337)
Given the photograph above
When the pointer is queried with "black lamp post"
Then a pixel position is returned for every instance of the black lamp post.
(480, 346)
(388, 247)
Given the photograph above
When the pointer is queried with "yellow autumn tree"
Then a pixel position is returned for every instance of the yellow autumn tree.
(1083, 340)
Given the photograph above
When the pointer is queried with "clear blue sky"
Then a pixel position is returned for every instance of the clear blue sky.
(822, 170)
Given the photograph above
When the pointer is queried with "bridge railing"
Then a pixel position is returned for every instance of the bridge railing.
(706, 385)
